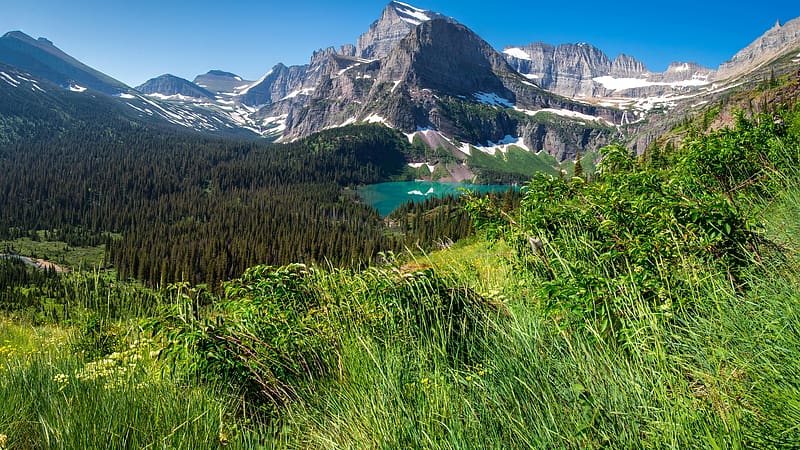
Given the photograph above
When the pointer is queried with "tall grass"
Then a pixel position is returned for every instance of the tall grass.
(723, 371)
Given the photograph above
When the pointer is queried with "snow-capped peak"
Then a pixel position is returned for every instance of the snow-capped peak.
(410, 14)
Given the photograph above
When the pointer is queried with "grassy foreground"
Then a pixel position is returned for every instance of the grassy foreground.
(585, 341)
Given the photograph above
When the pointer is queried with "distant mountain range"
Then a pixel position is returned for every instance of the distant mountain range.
(426, 75)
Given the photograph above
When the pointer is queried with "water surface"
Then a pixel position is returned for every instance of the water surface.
(386, 197)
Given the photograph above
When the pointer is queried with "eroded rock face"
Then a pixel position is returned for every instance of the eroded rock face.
(572, 70)
(776, 41)
(625, 66)
(279, 83)
(568, 69)
(397, 20)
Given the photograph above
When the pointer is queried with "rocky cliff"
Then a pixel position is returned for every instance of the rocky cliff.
(776, 41)
(397, 20)
(442, 77)
(584, 71)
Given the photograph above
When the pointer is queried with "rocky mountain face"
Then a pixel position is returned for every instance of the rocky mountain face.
(776, 41)
(396, 22)
(277, 84)
(584, 71)
(443, 78)
(42, 59)
(172, 86)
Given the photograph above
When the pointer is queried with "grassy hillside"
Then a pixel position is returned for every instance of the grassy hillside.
(654, 307)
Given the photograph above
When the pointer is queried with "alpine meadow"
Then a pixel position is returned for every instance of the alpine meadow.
(197, 264)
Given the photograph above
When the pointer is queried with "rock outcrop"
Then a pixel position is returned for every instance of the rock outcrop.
(573, 70)
(776, 41)
(397, 20)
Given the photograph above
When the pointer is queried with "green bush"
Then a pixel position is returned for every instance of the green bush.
(644, 229)
(268, 337)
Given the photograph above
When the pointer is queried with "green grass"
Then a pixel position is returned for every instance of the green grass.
(61, 253)
(725, 375)
(515, 162)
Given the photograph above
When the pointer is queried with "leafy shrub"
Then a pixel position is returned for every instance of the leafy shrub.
(601, 251)
(97, 336)
(269, 336)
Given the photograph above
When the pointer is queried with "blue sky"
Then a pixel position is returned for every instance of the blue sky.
(137, 40)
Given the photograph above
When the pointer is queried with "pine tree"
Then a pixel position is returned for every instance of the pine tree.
(578, 168)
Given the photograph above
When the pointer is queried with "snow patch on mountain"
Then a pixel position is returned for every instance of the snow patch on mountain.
(490, 98)
(374, 118)
(618, 84)
(76, 88)
(293, 94)
(175, 97)
(411, 14)
(502, 146)
(518, 53)
(9, 79)
(566, 113)
(431, 167)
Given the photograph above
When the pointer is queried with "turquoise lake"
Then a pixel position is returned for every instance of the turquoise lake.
(386, 197)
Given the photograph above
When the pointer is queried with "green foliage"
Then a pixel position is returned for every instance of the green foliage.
(515, 166)
(270, 337)
(740, 162)
(642, 228)
(97, 336)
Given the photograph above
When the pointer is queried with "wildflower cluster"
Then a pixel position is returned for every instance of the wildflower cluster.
(475, 374)
(7, 351)
(62, 380)
(112, 371)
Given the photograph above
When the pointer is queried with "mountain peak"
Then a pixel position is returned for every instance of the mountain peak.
(773, 43)
(169, 85)
(222, 73)
(17, 35)
(396, 22)
(42, 59)
(411, 14)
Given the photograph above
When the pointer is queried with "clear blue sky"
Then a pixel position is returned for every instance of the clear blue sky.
(137, 40)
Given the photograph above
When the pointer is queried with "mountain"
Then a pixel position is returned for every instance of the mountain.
(172, 87)
(776, 41)
(446, 86)
(219, 81)
(457, 99)
(42, 59)
(584, 71)
(396, 22)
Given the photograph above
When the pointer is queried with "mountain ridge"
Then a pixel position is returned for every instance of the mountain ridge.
(435, 80)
